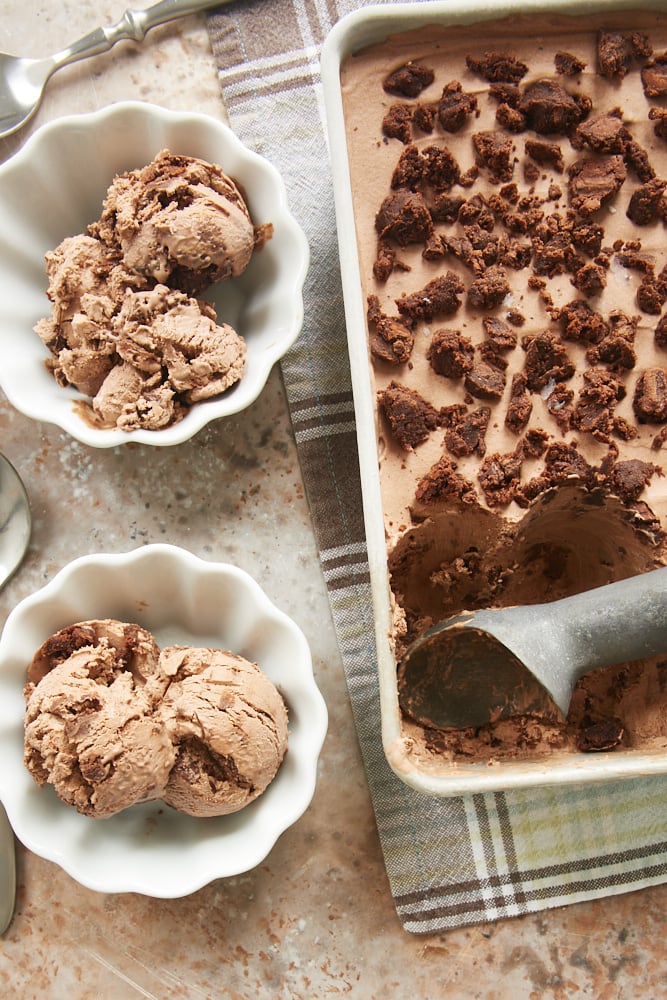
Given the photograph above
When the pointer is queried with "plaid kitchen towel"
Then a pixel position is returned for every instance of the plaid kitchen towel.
(450, 862)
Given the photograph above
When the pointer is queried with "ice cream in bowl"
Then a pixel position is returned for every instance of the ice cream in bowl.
(160, 725)
(155, 273)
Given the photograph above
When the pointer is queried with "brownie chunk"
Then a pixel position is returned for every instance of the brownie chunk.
(410, 417)
(593, 182)
(616, 349)
(567, 64)
(654, 76)
(559, 405)
(455, 107)
(443, 482)
(647, 203)
(659, 116)
(397, 123)
(594, 408)
(497, 67)
(494, 152)
(409, 171)
(549, 109)
(467, 436)
(547, 154)
(650, 399)
(520, 405)
(441, 171)
(439, 297)
(535, 442)
(485, 379)
(450, 354)
(546, 360)
(408, 80)
(629, 478)
(404, 218)
(600, 736)
(499, 333)
(499, 478)
(489, 289)
(580, 322)
(660, 335)
(616, 51)
(605, 133)
(391, 339)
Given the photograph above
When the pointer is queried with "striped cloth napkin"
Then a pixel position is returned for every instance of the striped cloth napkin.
(450, 862)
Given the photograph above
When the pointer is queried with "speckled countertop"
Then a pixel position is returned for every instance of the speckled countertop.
(316, 919)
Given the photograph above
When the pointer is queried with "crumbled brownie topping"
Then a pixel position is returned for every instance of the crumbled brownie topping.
(439, 297)
(654, 76)
(580, 322)
(499, 333)
(616, 349)
(499, 478)
(410, 417)
(450, 354)
(628, 478)
(547, 154)
(651, 295)
(397, 123)
(605, 133)
(567, 64)
(600, 736)
(660, 335)
(391, 338)
(445, 208)
(535, 442)
(485, 379)
(441, 171)
(466, 437)
(593, 410)
(424, 117)
(408, 80)
(637, 159)
(659, 116)
(647, 203)
(404, 218)
(591, 278)
(616, 51)
(489, 289)
(455, 107)
(494, 153)
(559, 405)
(546, 360)
(593, 182)
(443, 482)
(549, 109)
(650, 399)
(497, 67)
(520, 405)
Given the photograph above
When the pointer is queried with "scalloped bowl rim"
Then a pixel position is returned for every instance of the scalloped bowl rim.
(140, 125)
(150, 848)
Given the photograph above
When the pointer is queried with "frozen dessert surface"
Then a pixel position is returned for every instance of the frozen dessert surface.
(507, 181)
(229, 726)
(112, 720)
(127, 328)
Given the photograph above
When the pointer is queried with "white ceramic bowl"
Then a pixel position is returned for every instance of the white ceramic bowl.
(151, 848)
(54, 187)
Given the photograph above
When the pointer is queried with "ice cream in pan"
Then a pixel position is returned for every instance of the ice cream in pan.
(509, 195)
(112, 720)
(127, 327)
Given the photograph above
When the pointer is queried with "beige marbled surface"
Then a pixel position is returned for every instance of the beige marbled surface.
(316, 919)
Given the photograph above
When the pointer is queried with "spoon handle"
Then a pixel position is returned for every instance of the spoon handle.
(7, 872)
(132, 26)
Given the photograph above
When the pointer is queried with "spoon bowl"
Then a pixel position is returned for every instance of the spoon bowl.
(22, 80)
(485, 665)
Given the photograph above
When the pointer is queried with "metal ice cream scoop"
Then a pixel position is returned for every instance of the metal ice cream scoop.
(484, 665)
(15, 524)
(22, 80)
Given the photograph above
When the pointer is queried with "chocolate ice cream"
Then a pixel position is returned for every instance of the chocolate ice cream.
(112, 721)
(510, 212)
(126, 327)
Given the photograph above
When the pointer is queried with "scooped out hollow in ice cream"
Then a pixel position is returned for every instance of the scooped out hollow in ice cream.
(126, 326)
(112, 721)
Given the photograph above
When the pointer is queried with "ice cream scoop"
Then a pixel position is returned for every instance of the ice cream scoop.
(484, 665)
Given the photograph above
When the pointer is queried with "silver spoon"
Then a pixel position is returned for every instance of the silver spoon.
(484, 665)
(22, 80)
(15, 523)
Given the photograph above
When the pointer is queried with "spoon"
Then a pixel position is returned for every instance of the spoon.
(22, 80)
(14, 536)
(484, 665)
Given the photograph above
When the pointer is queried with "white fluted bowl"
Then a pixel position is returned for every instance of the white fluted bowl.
(54, 186)
(151, 848)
